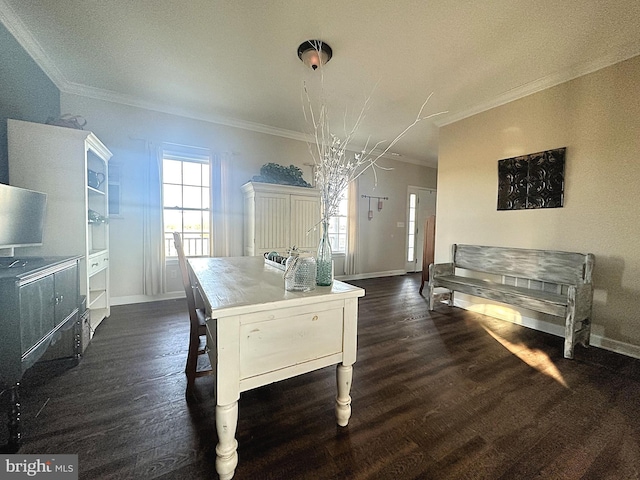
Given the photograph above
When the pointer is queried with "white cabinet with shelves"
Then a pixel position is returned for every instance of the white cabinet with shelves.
(71, 167)
(278, 217)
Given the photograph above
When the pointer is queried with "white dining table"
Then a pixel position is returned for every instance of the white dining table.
(259, 333)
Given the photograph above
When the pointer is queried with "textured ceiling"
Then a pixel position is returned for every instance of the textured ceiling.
(235, 62)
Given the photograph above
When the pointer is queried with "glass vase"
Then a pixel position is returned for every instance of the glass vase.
(324, 262)
(300, 272)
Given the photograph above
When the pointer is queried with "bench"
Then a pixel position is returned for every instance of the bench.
(546, 281)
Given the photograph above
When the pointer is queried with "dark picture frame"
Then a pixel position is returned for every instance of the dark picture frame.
(532, 181)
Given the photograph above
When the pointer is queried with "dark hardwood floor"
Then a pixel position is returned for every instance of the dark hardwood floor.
(446, 395)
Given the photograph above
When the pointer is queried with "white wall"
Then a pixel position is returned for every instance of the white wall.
(126, 130)
(597, 117)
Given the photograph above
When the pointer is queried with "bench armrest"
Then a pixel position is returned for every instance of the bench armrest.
(439, 269)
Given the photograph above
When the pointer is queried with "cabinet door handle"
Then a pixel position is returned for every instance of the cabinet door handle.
(95, 264)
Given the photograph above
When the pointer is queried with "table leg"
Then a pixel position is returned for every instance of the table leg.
(226, 450)
(344, 374)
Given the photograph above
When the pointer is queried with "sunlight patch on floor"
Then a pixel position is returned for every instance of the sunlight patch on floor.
(533, 357)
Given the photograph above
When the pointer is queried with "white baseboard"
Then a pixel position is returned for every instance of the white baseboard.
(518, 318)
(129, 299)
(362, 276)
(616, 346)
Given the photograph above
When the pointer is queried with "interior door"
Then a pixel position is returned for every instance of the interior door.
(421, 204)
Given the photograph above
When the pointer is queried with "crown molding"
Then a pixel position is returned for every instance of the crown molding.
(17, 28)
(132, 101)
(566, 74)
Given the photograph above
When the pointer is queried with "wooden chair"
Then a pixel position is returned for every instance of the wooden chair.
(197, 316)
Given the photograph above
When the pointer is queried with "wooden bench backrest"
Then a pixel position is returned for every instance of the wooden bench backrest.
(545, 265)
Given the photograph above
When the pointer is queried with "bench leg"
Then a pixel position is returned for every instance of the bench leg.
(586, 332)
(570, 324)
(568, 347)
(439, 296)
(430, 299)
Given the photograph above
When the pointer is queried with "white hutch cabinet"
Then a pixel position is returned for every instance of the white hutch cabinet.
(278, 217)
(71, 167)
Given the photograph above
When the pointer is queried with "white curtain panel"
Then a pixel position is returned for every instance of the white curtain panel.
(153, 237)
(351, 258)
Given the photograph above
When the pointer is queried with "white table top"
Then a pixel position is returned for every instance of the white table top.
(239, 285)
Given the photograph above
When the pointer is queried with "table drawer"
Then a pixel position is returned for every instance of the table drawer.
(283, 342)
(98, 261)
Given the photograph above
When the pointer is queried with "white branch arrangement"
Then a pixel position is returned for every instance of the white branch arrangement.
(335, 166)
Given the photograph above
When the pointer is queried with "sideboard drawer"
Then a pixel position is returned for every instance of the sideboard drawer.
(98, 261)
(283, 342)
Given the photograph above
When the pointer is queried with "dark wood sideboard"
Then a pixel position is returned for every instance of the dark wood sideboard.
(39, 298)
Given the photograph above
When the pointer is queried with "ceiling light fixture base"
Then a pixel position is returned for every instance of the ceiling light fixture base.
(314, 53)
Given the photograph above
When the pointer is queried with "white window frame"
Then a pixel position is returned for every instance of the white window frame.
(195, 243)
(411, 228)
(339, 227)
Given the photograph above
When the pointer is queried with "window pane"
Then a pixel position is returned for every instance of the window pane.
(192, 244)
(205, 175)
(172, 221)
(205, 224)
(343, 243)
(205, 244)
(192, 222)
(172, 195)
(343, 225)
(171, 171)
(205, 198)
(192, 173)
(333, 241)
(343, 207)
(192, 197)
(333, 225)
(412, 200)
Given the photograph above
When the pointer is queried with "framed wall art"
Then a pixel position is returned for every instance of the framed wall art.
(532, 181)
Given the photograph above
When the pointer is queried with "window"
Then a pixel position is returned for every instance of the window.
(338, 227)
(411, 240)
(186, 195)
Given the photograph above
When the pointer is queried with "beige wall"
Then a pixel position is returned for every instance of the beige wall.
(382, 240)
(597, 117)
(126, 130)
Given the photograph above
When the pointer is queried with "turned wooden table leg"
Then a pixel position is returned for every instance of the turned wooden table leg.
(344, 375)
(226, 450)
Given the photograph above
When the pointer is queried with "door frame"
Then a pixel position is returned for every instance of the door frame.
(423, 211)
